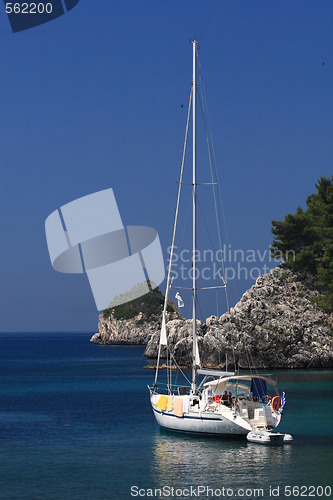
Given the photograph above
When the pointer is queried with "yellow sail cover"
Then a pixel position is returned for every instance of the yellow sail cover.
(162, 402)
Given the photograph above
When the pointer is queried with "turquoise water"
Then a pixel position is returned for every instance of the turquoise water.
(76, 423)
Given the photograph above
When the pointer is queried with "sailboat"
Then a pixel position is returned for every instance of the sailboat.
(223, 403)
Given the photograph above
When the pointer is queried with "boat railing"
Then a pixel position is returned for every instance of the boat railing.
(170, 389)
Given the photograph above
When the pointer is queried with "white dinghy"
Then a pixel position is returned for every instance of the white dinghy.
(266, 437)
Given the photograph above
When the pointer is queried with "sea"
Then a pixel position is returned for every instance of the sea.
(76, 424)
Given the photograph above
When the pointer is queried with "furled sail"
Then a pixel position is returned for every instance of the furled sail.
(197, 356)
(163, 336)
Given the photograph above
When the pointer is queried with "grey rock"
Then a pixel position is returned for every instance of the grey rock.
(276, 324)
(121, 331)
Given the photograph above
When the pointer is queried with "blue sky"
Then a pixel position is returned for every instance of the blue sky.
(93, 99)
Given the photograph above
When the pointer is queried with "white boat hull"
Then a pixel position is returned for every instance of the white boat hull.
(210, 424)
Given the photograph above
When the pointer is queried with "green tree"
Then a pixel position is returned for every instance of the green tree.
(305, 239)
(325, 278)
(293, 236)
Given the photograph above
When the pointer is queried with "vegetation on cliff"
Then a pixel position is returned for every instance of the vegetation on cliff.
(150, 306)
(305, 240)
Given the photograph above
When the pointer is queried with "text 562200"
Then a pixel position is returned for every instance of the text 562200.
(28, 8)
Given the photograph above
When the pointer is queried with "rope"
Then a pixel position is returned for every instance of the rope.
(179, 369)
(205, 222)
(212, 165)
(174, 231)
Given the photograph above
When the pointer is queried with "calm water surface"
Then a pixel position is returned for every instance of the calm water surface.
(76, 423)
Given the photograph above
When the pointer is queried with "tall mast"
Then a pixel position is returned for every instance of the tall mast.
(194, 263)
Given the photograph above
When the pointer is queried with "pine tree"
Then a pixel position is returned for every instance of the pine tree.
(305, 240)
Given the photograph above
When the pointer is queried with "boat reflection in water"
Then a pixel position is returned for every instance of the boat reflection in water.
(184, 461)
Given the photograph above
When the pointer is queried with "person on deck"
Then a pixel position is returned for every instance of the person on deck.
(225, 396)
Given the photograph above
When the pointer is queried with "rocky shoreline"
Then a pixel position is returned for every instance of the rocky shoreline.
(276, 324)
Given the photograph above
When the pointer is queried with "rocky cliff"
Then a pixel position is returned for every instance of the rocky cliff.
(276, 324)
(134, 322)
(122, 331)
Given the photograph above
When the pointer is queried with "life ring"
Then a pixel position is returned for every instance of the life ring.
(276, 403)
